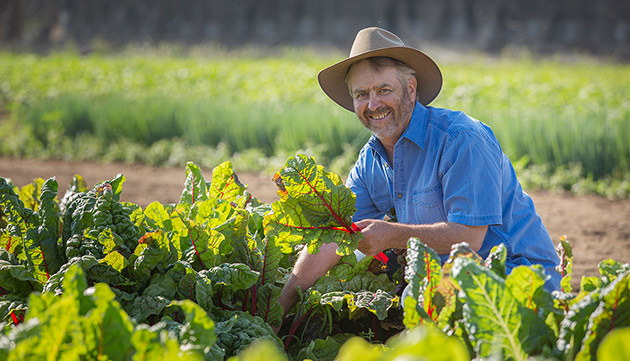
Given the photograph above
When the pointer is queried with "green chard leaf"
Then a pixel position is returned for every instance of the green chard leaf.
(565, 267)
(496, 260)
(198, 331)
(324, 349)
(29, 194)
(195, 186)
(154, 250)
(526, 285)
(237, 330)
(613, 311)
(609, 270)
(226, 186)
(268, 305)
(20, 218)
(315, 208)
(77, 186)
(370, 292)
(107, 327)
(423, 274)
(39, 242)
(615, 346)
(496, 322)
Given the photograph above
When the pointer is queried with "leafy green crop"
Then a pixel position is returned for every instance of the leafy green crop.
(90, 277)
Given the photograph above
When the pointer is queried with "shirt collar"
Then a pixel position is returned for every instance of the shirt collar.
(415, 132)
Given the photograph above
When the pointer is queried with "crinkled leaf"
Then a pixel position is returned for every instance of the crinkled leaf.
(378, 302)
(268, 305)
(116, 260)
(12, 244)
(496, 260)
(370, 292)
(237, 330)
(206, 246)
(345, 269)
(225, 184)
(161, 285)
(77, 185)
(10, 306)
(29, 194)
(144, 306)
(15, 278)
(198, 332)
(153, 251)
(236, 276)
(270, 260)
(315, 208)
(116, 185)
(156, 217)
(526, 285)
(195, 186)
(324, 349)
(19, 217)
(494, 319)
(566, 264)
(612, 312)
(609, 270)
(223, 217)
(423, 273)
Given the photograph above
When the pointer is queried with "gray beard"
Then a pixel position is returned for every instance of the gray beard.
(403, 111)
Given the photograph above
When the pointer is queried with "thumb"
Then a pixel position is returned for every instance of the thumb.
(362, 223)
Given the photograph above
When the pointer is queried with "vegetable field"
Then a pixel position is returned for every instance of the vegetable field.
(567, 120)
(86, 276)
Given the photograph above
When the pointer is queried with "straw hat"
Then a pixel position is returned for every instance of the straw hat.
(371, 42)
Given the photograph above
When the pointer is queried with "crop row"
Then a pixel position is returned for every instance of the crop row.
(89, 277)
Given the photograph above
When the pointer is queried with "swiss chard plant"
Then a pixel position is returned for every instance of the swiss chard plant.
(202, 278)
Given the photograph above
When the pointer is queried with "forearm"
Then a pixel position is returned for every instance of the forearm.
(306, 271)
(379, 235)
(441, 236)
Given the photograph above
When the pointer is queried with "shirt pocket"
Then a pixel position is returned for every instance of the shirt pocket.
(428, 205)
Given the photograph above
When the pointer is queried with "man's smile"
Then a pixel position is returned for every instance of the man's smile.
(380, 115)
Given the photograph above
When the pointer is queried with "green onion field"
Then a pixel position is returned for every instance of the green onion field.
(556, 118)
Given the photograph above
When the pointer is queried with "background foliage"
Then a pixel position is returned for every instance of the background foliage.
(565, 119)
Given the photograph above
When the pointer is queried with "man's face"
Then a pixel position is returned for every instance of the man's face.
(381, 102)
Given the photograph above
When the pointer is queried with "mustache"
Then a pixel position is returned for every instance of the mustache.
(379, 110)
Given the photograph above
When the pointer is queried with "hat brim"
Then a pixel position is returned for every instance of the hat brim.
(332, 79)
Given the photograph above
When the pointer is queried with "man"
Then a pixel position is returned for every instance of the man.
(441, 173)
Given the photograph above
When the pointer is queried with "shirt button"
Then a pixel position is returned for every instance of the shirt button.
(400, 195)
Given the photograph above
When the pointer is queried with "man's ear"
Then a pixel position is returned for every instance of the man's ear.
(412, 87)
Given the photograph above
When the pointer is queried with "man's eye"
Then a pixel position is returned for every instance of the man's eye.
(360, 95)
(384, 91)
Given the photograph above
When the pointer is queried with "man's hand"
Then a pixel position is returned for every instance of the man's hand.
(378, 236)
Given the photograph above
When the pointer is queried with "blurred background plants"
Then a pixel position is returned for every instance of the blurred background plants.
(565, 123)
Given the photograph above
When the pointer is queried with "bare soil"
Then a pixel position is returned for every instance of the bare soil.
(598, 228)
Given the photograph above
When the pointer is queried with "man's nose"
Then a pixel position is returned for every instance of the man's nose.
(374, 101)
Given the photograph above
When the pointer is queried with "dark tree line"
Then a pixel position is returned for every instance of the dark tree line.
(598, 27)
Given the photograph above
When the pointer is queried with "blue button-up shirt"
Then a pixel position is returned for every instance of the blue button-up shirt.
(449, 167)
